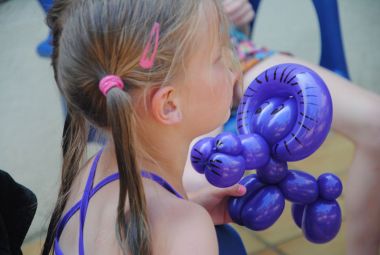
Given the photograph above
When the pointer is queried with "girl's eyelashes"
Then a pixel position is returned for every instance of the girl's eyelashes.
(219, 57)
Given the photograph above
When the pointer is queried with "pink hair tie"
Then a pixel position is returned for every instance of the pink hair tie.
(110, 81)
(146, 62)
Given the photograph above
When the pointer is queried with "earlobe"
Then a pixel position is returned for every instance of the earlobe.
(165, 106)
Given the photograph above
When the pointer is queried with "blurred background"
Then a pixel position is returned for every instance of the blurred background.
(31, 115)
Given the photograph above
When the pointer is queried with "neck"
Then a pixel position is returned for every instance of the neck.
(169, 166)
(167, 159)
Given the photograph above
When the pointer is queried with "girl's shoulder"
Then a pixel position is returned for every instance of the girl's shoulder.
(180, 227)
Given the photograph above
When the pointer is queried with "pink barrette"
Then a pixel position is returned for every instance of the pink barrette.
(110, 81)
(146, 62)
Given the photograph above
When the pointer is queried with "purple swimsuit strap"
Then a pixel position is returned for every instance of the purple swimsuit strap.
(89, 191)
(65, 219)
(154, 177)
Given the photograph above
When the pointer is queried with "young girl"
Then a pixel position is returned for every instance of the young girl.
(152, 75)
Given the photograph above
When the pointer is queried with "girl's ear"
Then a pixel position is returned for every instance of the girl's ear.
(165, 106)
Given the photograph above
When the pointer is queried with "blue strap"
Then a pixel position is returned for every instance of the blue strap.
(89, 191)
(160, 181)
(82, 205)
(85, 201)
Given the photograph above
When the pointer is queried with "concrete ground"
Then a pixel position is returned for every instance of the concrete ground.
(31, 118)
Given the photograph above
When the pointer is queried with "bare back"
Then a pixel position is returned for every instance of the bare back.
(175, 223)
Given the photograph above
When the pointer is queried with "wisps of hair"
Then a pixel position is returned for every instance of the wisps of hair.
(74, 140)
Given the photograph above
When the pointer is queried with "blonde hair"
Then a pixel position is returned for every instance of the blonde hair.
(94, 38)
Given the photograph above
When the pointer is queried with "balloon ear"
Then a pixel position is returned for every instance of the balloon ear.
(165, 106)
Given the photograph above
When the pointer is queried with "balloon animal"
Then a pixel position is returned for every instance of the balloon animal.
(284, 115)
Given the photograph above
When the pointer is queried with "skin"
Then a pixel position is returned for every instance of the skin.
(193, 104)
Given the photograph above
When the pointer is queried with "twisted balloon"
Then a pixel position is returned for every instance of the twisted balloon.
(284, 115)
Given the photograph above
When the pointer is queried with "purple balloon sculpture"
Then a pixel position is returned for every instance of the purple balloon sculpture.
(284, 115)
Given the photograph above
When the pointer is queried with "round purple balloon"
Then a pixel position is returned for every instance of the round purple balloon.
(228, 143)
(200, 153)
(255, 151)
(224, 170)
(330, 186)
(273, 172)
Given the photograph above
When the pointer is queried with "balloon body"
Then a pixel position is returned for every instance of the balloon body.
(236, 204)
(273, 172)
(299, 187)
(263, 209)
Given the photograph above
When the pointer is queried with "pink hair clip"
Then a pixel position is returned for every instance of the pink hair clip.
(146, 62)
(110, 81)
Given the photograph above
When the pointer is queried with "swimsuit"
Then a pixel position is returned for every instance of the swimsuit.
(90, 191)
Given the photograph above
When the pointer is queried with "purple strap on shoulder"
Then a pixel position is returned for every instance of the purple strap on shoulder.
(85, 200)
(89, 191)
(160, 181)
(76, 207)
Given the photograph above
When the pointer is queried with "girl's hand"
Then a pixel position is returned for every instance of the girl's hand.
(240, 12)
(215, 201)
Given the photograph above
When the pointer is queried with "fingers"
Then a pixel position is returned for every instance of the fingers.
(240, 12)
(236, 190)
(245, 16)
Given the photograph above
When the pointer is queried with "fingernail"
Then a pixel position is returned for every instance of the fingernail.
(241, 189)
